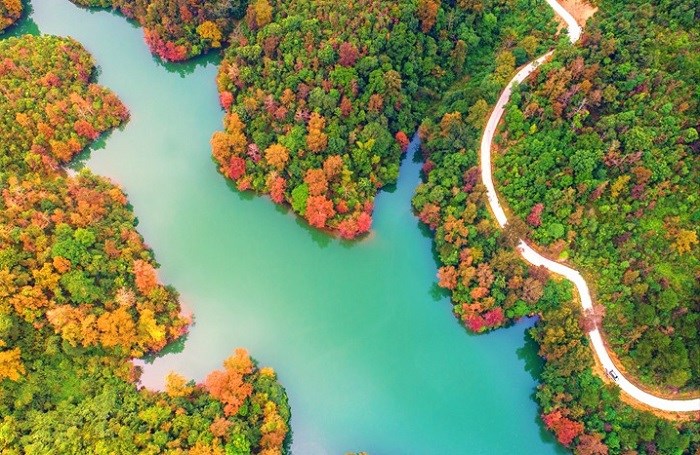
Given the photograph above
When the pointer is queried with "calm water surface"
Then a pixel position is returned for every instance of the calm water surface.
(366, 346)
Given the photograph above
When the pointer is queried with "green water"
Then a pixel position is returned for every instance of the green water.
(360, 336)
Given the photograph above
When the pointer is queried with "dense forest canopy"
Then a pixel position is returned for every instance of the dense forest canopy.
(490, 284)
(603, 164)
(80, 295)
(599, 163)
(320, 96)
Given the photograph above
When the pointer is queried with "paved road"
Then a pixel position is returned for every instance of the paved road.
(533, 257)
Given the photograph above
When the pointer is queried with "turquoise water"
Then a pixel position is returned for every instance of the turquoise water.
(360, 336)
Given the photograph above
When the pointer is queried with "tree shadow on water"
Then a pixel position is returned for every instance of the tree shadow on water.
(534, 365)
(389, 188)
(80, 160)
(24, 26)
(246, 196)
(528, 354)
(437, 293)
(107, 10)
(320, 238)
(187, 67)
(176, 347)
(184, 68)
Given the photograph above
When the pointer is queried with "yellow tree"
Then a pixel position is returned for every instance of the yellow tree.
(685, 241)
(263, 12)
(316, 140)
(117, 328)
(11, 366)
(176, 385)
(277, 156)
(210, 31)
(236, 130)
(273, 429)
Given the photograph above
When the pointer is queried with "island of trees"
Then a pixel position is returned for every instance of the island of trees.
(80, 296)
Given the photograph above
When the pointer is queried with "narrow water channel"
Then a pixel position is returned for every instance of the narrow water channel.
(360, 336)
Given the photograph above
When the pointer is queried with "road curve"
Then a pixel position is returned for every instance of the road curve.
(533, 257)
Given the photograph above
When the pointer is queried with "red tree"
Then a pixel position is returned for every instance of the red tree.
(430, 215)
(474, 322)
(166, 50)
(345, 106)
(403, 140)
(236, 168)
(565, 429)
(318, 210)
(347, 228)
(364, 222)
(85, 129)
(348, 54)
(471, 178)
(342, 206)
(494, 318)
(277, 187)
(535, 217)
(226, 99)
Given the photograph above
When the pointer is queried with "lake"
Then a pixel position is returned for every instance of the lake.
(361, 337)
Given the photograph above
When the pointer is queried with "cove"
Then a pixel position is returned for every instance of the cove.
(365, 344)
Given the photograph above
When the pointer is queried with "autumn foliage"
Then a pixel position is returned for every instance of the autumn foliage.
(564, 428)
(11, 366)
(79, 293)
(608, 189)
(178, 30)
(51, 118)
(10, 11)
(403, 140)
(338, 94)
(318, 211)
(229, 386)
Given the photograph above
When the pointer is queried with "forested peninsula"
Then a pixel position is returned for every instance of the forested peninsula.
(321, 96)
(79, 293)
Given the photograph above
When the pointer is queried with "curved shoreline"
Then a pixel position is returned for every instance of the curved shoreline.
(535, 258)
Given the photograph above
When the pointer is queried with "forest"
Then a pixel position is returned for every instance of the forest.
(601, 163)
(553, 119)
(80, 295)
(598, 162)
(320, 96)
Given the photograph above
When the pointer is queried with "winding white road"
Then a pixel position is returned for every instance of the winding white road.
(533, 257)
